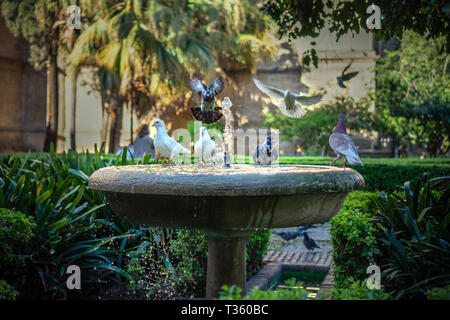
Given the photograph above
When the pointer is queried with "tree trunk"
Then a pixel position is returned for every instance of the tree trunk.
(116, 125)
(73, 112)
(51, 132)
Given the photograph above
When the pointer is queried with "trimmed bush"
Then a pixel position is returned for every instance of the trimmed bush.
(7, 292)
(351, 232)
(358, 290)
(439, 293)
(16, 230)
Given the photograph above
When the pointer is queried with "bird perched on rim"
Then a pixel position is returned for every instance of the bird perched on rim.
(165, 145)
(288, 102)
(205, 147)
(343, 145)
(265, 153)
(345, 76)
(309, 243)
(208, 112)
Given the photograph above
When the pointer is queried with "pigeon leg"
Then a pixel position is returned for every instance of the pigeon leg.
(345, 162)
(332, 163)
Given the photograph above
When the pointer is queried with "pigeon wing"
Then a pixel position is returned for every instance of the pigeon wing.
(346, 68)
(342, 144)
(270, 91)
(349, 76)
(196, 85)
(307, 101)
(217, 85)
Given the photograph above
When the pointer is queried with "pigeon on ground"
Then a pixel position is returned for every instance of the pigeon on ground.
(265, 153)
(288, 102)
(165, 145)
(208, 95)
(309, 243)
(345, 77)
(205, 147)
(343, 145)
(290, 235)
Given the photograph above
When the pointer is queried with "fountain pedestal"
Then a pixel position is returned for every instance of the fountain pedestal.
(227, 204)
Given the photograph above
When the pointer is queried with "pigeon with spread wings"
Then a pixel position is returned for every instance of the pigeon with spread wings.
(208, 112)
(345, 77)
(288, 102)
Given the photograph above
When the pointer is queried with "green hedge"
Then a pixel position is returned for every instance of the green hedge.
(351, 232)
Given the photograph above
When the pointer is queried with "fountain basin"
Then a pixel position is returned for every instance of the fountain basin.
(227, 204)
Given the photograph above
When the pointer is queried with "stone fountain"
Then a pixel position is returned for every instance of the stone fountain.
(228, 204)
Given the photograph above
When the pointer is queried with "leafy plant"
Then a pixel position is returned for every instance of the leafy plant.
(7, 292)
(358, 290)
(414, 237)
(295, 292)
(439, 293)
(352, 238)
(16, 230)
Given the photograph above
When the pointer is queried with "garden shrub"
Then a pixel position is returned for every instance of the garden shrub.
(296, 292)
(7, 292)
(413, 237)
(351, 232)
(16, 230)
(358, 290)
(439, 293)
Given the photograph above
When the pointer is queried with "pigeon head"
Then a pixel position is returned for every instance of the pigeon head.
(203, 132)
(340, 127)
(158, 124)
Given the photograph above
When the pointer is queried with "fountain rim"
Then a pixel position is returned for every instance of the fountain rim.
(257, 181)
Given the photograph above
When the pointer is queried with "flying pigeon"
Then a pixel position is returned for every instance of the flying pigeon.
(343, 145)
(165, 145)
(205, 147)
(208, 95)
(309, 243)
(345, 77)
(265, 153)
(288, 102)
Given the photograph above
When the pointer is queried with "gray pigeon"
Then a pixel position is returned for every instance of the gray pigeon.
(265, 153)
(343, 145)
(345, 77)
(288, 102)
(208, 95)
(309, 243)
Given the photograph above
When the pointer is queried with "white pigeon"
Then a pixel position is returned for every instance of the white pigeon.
(205, 147)
(165, 145)
(288, 102)
(265, 153)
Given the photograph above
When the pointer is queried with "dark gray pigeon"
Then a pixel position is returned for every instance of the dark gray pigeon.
(343, 145)
(291, 235)
(208, 95)
(309, 243)
(345, 76)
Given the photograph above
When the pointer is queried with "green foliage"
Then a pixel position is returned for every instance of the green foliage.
(72, 223)
(316, 126)
(7, 292)
(296, 292)
(439, 293)
(256, 249)
(414, 237)
(358, 290)
(351, 232)
(299, 19)
(413, 96)
(16, 230)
